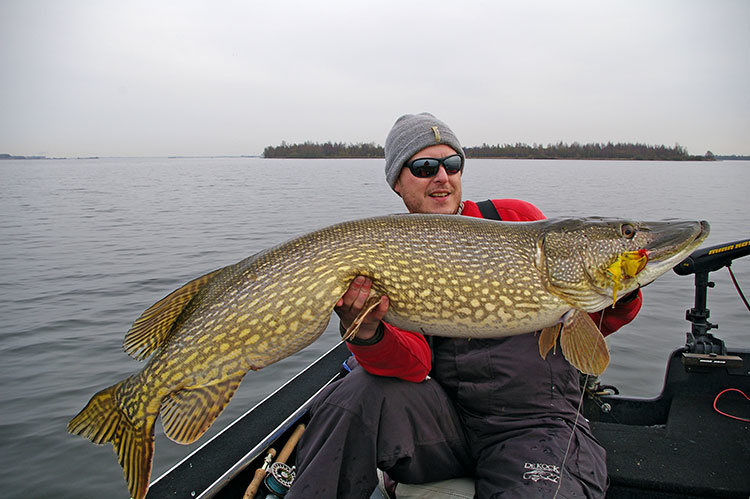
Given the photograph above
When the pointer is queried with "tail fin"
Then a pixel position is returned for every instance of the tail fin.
(103, 421)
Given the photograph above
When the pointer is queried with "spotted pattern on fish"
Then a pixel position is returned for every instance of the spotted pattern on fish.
(444, 275)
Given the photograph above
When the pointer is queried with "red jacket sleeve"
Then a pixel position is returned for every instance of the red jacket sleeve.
(615, 318)
(400, 353)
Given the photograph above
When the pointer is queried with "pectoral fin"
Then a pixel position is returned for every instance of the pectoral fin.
(370, 305)
(583, 344)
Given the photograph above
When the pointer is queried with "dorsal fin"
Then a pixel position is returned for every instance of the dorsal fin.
(187, 413)
(152, 328)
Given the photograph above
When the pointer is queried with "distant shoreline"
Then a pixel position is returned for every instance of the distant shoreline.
(11, 156)
(732, 157)
(561, 150)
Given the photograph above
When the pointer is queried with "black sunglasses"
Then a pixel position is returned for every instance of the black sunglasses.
(428, 167)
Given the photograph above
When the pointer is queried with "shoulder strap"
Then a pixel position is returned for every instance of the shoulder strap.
(488, 210)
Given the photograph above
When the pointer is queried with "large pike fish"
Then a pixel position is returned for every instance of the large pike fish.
(444, 275)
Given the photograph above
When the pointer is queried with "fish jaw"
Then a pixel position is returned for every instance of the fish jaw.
(575, 256)
(673, 247)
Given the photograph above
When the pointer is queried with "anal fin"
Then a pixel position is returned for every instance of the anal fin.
(187, 413)
(583, 344)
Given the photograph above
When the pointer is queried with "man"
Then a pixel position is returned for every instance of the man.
(490, 409)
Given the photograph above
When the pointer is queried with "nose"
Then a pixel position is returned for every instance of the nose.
(441, 175)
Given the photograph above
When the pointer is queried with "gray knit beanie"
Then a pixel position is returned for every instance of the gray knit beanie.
(410, 134)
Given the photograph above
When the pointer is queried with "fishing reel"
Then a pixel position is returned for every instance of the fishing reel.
(279, 479)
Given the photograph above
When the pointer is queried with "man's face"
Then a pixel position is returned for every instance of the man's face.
(438, 194)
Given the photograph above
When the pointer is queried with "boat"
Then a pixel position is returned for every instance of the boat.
(691, 441)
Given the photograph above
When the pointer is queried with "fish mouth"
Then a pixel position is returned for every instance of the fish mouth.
(670, 247)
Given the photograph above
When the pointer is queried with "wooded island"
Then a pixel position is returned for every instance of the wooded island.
(516, 151)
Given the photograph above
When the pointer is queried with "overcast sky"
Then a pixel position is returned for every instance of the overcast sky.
(157, 78)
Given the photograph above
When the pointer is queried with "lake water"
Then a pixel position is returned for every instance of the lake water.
(87, 245)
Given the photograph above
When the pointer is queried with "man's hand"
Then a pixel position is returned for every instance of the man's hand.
(351, 304)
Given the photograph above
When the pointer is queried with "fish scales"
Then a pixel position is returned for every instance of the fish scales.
(444, 275)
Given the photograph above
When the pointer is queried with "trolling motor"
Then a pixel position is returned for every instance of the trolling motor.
(703, 349)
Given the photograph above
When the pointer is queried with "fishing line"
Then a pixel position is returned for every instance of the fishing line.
(578, 413)
(737, 286)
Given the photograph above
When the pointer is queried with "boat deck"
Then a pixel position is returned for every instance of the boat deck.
(677, 445)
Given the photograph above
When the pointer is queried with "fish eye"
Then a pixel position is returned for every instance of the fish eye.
(628, 230)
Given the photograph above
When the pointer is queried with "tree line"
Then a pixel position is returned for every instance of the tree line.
(326, 150)
(575, 150)
(560, 150)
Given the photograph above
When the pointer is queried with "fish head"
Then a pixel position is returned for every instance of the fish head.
(590, 262)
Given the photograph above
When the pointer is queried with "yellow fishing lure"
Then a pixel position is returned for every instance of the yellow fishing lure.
(627, 266)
